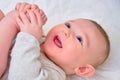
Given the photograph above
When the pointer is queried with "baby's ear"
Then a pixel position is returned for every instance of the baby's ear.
(85, 71)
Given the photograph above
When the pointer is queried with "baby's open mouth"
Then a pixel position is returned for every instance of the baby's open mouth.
(57, 41)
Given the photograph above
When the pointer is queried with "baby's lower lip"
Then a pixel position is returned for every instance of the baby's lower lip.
(57, 41)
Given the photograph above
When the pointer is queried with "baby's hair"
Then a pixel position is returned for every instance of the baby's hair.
(107, 51)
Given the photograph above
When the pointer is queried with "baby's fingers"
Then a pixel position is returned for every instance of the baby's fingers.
(44, 17)
(41, 18)
(19, 22)
(38, 17)
(32, 17)
(24, 18)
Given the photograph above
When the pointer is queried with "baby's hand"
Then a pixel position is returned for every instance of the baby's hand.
(32, 24)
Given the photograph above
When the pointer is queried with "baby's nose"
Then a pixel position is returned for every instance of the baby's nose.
(66, 32)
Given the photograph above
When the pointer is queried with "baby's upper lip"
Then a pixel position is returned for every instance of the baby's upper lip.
(57, 41)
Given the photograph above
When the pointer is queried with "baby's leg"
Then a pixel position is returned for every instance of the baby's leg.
(8, 31)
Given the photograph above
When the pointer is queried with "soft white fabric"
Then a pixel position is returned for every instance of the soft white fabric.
(105, 12)
(28, 63)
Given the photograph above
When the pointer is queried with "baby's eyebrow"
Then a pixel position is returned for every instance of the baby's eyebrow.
(71, 21)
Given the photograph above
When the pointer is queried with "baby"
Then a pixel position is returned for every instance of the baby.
(74, 47)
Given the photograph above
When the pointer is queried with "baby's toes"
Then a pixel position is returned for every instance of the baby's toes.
(38, 17)
(23, 7)
(17, 7)
(27, 7)
(34, 7)
(41, 12)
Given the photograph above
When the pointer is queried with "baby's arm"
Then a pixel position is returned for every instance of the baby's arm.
(25, 64)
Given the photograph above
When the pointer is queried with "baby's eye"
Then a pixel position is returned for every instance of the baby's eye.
(80, 39)
(67, 25)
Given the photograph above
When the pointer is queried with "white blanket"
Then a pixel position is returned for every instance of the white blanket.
(105, 12)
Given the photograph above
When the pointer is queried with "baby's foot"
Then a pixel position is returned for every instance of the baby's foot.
(24, 7)
(11, 18)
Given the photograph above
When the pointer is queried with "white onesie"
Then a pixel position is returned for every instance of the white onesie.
(28, 63)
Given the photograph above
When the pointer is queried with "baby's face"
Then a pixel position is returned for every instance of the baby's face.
(72, 43)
